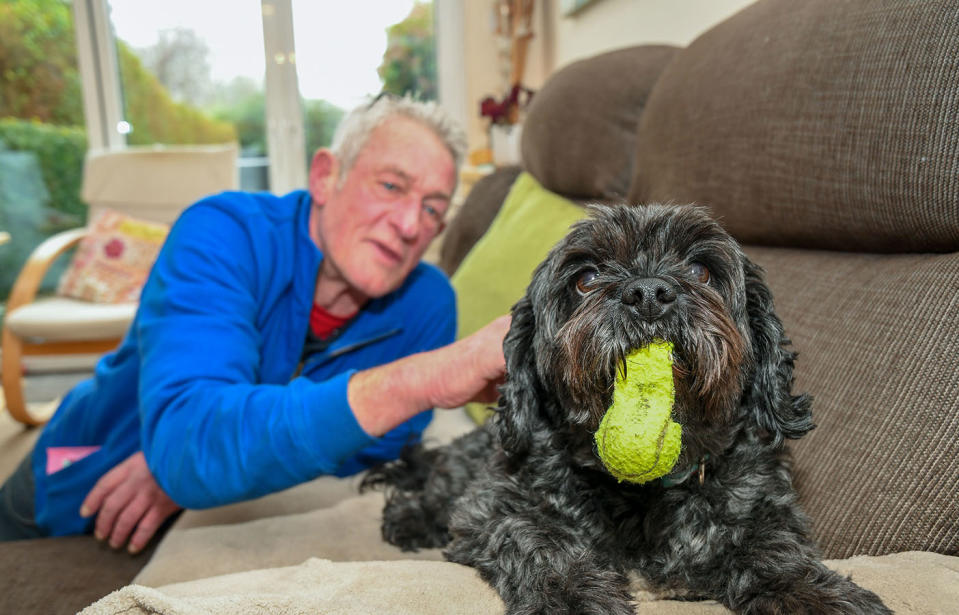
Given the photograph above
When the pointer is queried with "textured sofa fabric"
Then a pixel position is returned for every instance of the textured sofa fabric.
(60, 576)
(829, 129)
(819, 124)
(579, 137)
(878, 350)
(833, 125)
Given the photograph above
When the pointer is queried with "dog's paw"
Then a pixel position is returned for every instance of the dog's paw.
(605, 606)
(412, 528)
(855, 601)
(576, 589)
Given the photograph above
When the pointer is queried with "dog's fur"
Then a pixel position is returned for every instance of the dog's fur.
(527, 501)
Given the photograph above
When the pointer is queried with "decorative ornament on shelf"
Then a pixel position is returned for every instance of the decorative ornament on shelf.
(505, 128)
(506, 111)
(513, 19)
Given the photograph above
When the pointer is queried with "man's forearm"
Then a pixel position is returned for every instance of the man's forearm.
(383, 397)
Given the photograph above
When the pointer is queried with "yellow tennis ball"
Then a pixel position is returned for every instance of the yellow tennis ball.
(637, 439)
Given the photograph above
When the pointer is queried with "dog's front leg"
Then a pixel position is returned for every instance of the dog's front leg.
(791, 580)
(533, 555)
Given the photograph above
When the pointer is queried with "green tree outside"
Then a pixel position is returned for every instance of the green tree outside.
(42, 136)
(38, 66)
(320, 121)
(156, 117)
(409, 64)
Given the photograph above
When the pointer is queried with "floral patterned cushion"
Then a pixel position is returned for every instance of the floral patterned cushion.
(111, 264)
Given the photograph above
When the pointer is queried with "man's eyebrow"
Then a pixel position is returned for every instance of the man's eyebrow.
(397, 171)
(408, 178)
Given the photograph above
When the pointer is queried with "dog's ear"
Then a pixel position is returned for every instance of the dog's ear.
(768, 395)
(518, 412)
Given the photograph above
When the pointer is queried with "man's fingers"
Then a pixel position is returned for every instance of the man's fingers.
(148, 526)
(113, 504)
(107, 483)
(489, 394)
(127, 520)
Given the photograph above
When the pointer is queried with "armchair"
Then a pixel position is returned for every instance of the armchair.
(150, 183)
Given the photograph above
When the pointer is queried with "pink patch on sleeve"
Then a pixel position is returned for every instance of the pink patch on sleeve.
(59, 457)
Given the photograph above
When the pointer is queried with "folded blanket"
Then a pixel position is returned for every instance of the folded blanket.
(316, 587)
(347, 531)
(910, 583)
(260, 557)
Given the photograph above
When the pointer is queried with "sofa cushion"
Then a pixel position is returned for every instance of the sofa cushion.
(474, 216)
(496, 272)
(907, 583)
(580, 129)
(62, 319)
(62, 575)
(819, 123)
(877, 351)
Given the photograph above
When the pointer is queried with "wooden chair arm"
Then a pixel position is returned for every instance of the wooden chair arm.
(30, 277)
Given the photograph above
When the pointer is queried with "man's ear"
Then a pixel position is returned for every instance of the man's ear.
(324, 171)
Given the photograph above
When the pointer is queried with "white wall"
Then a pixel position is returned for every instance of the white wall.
(558, 40)
(611, 24)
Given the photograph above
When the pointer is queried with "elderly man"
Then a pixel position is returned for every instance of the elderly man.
(278, 339)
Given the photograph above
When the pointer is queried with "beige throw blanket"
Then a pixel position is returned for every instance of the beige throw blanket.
(910, 583)
(262, 557)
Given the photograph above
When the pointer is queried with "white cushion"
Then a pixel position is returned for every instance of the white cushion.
(62, 319)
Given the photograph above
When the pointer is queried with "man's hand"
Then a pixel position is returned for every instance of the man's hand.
(128, 497)
(473, 368)
(468, 370)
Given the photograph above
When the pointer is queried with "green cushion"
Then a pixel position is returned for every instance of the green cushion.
(495, 273)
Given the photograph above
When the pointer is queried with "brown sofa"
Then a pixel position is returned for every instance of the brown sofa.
(824, 134)
(825, 137)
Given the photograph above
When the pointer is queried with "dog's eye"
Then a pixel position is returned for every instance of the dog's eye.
(699, 272)
(586, 280)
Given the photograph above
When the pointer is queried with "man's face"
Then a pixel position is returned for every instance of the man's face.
(376, 225)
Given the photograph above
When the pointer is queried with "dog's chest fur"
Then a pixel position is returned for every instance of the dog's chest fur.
(654, 530)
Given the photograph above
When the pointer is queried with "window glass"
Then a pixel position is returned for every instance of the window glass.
(192, 72)
(42, 138)
(349, 51)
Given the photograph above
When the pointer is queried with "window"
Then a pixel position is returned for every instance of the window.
(42, 137)
(188, 78)
(189, 72)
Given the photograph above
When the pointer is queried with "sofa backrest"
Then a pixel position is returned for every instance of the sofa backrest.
(822, 133)
(824, 136)
(816, 124)
(579, 136)
(579, 140)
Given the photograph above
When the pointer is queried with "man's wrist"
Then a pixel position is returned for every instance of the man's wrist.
(385, 396)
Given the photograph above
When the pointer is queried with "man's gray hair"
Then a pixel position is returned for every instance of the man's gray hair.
(354, 130)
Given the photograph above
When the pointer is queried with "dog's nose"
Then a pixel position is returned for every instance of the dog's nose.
(651, 297)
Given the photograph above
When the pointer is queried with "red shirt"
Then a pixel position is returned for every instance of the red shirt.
(323, 324)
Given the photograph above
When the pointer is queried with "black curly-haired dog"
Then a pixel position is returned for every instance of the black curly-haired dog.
(527, 501)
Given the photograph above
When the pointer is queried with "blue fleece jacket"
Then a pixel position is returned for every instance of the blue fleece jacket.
(204, 380)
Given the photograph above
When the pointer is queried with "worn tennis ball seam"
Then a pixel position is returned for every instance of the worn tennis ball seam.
(659, 452)
(637, 429)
